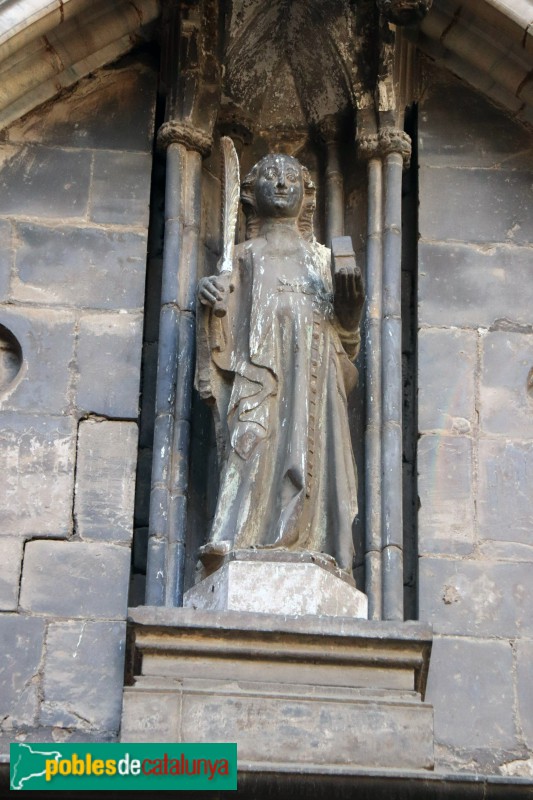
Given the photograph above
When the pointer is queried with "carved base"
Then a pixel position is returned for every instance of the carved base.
(278, 582)
(300, 694)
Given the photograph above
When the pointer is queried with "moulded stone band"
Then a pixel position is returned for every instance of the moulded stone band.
(183, 133)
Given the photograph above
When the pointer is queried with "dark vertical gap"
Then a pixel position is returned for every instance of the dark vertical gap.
(409, 369)
(152, 305)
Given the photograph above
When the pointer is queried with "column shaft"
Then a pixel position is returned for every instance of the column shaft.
(373, 390)
(392, 512)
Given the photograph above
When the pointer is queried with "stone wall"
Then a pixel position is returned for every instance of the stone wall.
(75, 186)
(475, 415)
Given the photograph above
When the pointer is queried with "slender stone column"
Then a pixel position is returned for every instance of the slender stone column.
(369, 148)
(328, 130)
(395, 147)
(386, 152)
(170, 468)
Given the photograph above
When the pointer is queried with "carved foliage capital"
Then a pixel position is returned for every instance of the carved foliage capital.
(185, 134)
(394, 140)
(386, 141)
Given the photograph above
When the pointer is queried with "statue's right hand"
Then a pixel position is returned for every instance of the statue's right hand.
(211, 290)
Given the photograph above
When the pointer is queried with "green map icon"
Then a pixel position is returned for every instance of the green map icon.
(28, 763)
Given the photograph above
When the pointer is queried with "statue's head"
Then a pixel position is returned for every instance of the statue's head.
(278, 186)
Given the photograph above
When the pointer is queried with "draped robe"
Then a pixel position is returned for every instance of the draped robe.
(277, 369)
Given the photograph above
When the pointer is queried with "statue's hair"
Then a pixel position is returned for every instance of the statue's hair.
(305, 217)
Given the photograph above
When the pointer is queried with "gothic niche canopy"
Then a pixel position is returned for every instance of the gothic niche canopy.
(276, 73)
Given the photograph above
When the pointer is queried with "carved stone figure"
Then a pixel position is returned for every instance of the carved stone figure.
(277, 367)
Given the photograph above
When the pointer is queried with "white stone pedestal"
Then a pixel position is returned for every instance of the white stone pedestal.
(274, 582)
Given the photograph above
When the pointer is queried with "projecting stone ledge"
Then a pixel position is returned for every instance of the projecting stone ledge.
(279, 582)
(297, 694)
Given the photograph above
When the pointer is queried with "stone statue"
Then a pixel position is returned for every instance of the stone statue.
(277, 368)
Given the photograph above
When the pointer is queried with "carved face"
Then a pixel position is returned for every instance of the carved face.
(279, 187)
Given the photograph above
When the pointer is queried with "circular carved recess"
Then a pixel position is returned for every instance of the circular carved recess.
(10, 358)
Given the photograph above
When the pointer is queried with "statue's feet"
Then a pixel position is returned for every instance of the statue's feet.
(212, 554)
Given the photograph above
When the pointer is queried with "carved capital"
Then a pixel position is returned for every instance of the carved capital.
(404, 12)
(368, 146)
(233, 122)
(185, 134)
(328, 129)
(386, 141)
(394, 140)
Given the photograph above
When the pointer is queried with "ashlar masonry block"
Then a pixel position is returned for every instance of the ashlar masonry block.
(470, 687)
(505, 391)
(21, 645)
(109, 362)
(446, 515)
(105, 480)
(504, 505)
(446, 370)
(46, 337)
(83, 674)
(75, 579)
(11, 560)
(37, 464)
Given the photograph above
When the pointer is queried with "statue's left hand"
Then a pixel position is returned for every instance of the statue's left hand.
(349, 295)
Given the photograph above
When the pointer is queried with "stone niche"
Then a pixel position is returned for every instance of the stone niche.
(296, 693)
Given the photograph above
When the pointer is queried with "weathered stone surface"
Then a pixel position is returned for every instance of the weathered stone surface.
(506, 401)
(111, 110)
(476, 598)
(446, 512)
(105, 480)
(524, 672)
(83, 675)
(47, 340)
(460, 127)
(471, 689)
(505, 490)
(6, 258)
(21, 645)
(151, 716)
(504, 551)
(120, 188)
(37, 464)
(82, 267)
(11, 560)
(495, 202)
(446, 370)
(290, 730)
(277, 587)
(293, 691)
(109, 360)
(473, 286)
(93, 579)
(44, 182)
